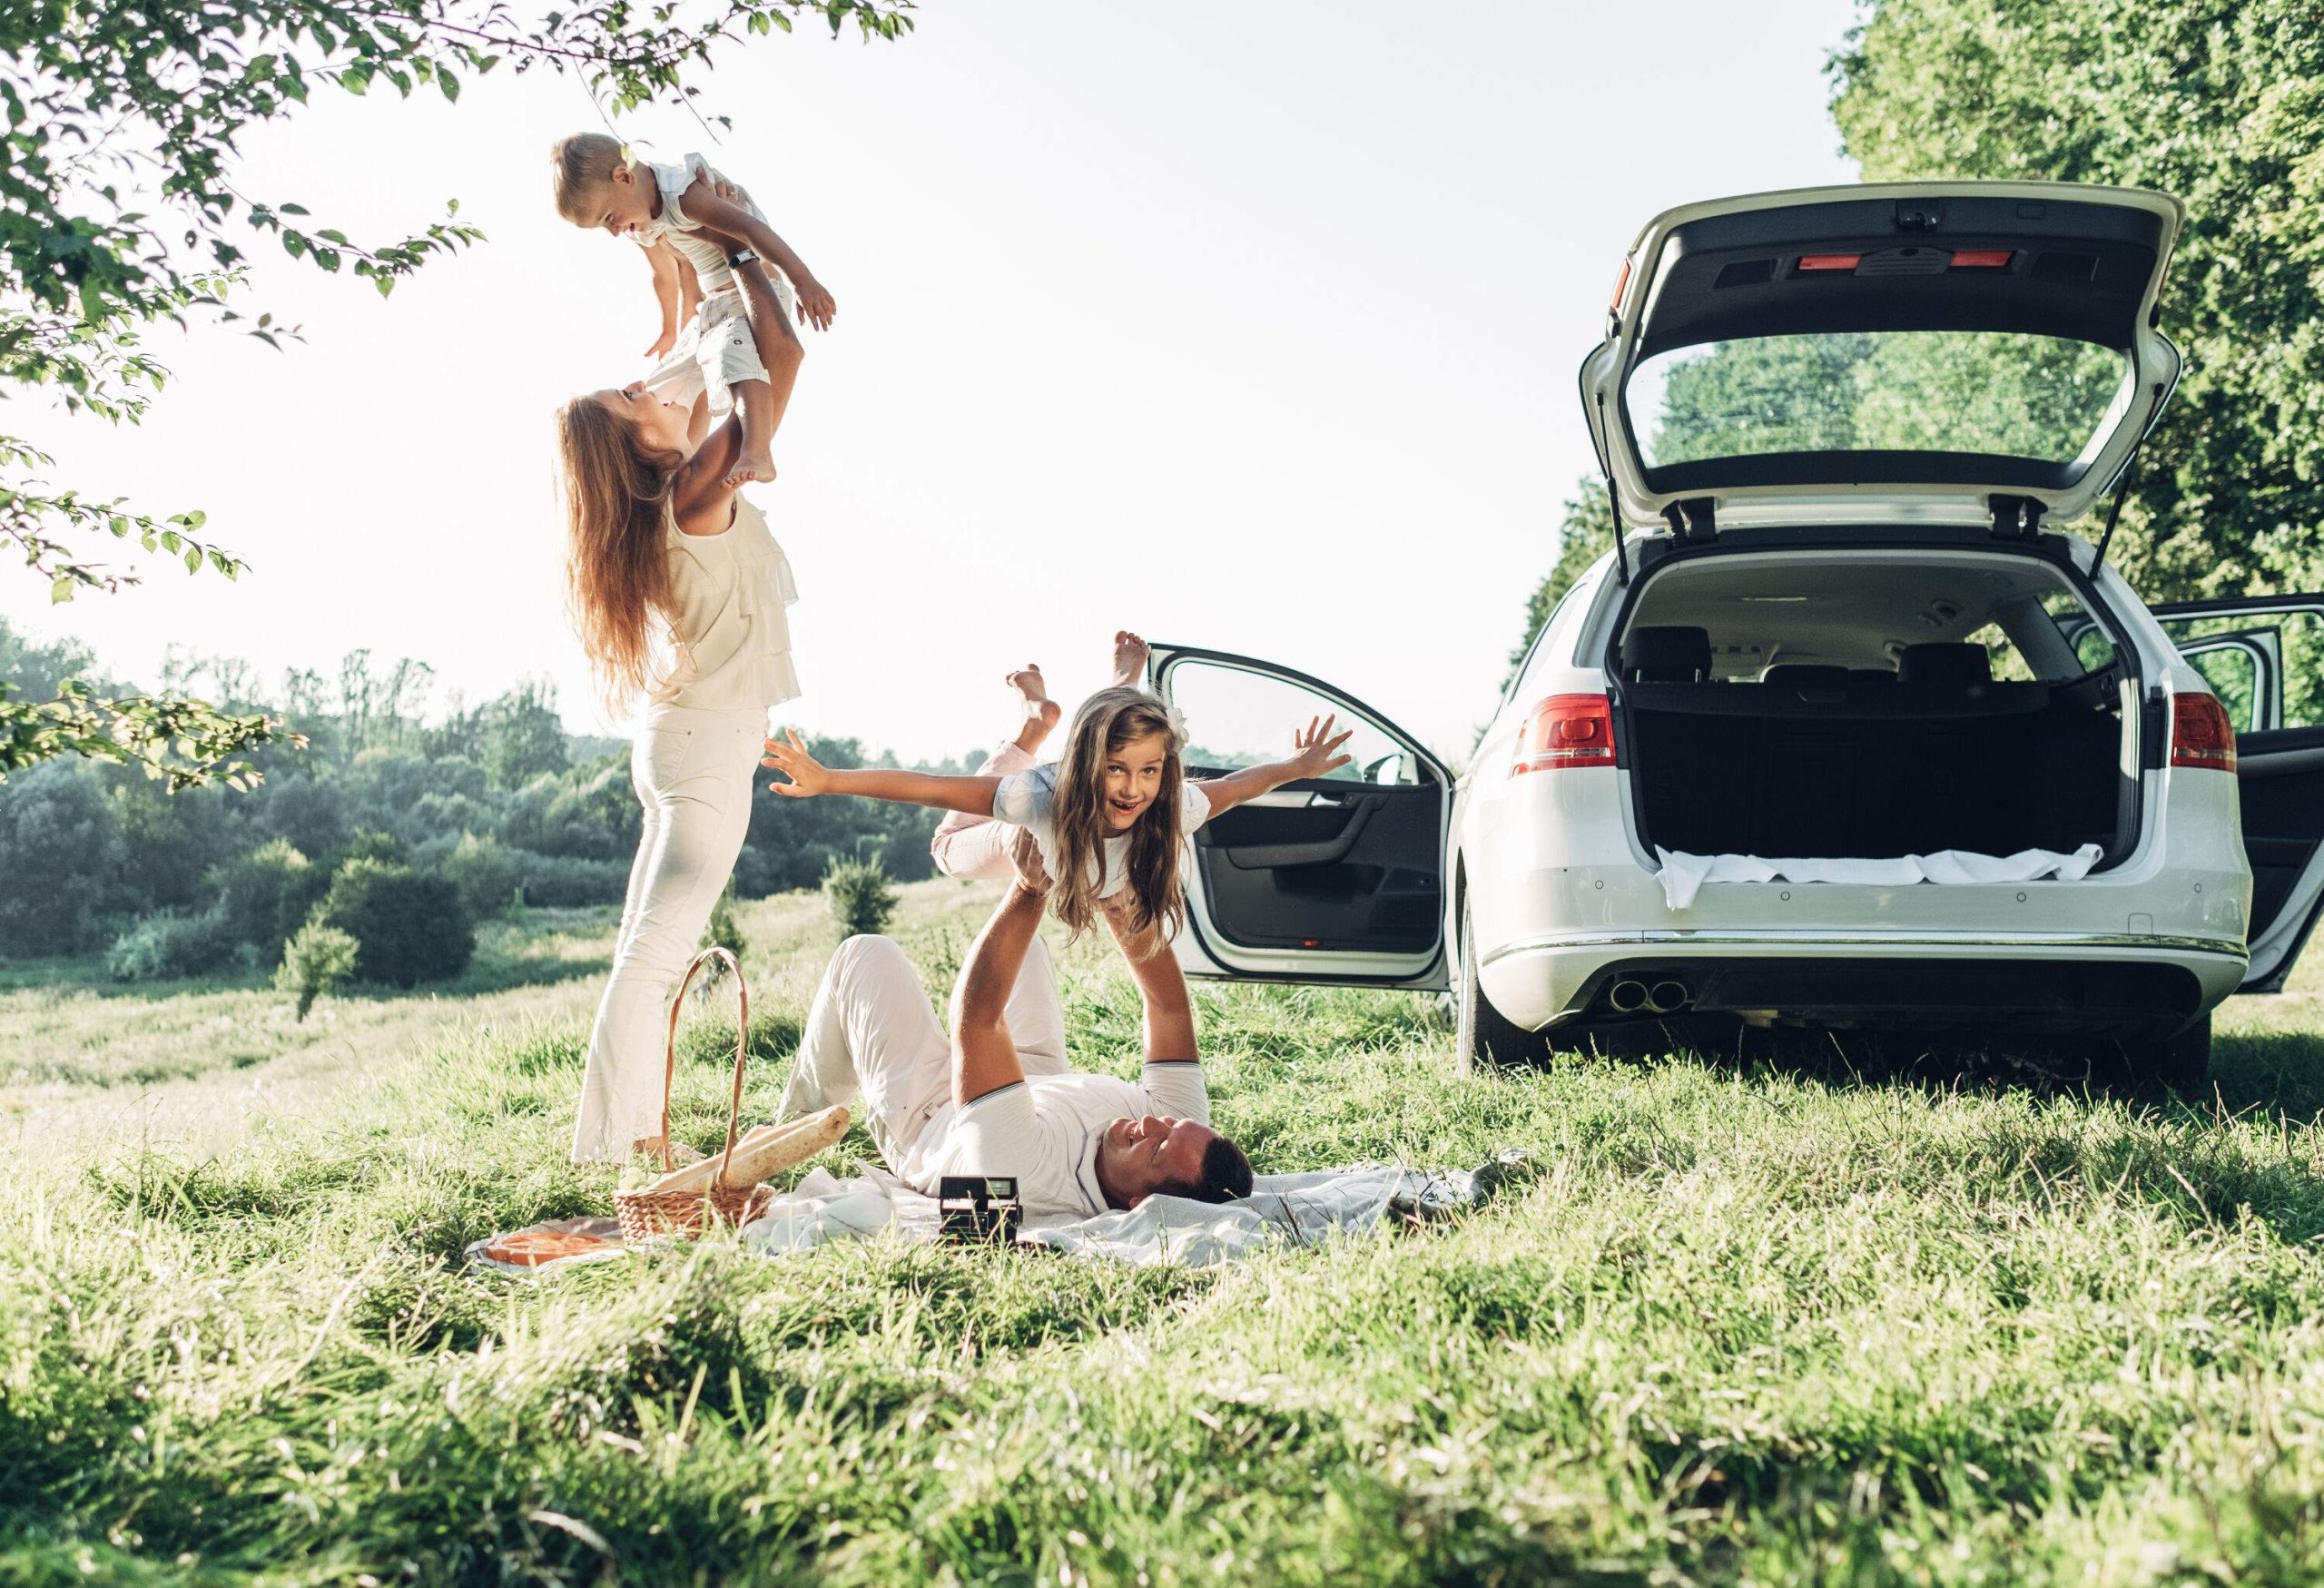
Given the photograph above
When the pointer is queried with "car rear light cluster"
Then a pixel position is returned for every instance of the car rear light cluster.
(1566, 730)
(2200, 735)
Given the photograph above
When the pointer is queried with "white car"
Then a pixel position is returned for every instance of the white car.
(1842, 430)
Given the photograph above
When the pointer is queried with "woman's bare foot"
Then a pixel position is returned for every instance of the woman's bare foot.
(1040, 712)
(1129, 659)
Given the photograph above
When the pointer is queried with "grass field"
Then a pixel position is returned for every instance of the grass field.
(1758, 1324)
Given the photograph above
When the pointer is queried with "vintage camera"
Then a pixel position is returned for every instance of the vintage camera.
(978, 1208)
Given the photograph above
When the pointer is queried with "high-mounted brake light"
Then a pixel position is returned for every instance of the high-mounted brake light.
(1982, 259)
(2200, 735)
(1621, 283)
(1566, 730)
(1830, 261)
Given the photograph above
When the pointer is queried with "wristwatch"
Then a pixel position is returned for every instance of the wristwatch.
(741, 256)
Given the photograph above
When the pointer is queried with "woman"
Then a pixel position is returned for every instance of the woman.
(678, 592)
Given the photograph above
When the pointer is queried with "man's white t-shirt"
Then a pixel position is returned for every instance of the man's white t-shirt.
(1045, 1129)
(1029, 800)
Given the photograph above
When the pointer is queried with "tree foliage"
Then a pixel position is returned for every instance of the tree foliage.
(2217, 102)
(120, 210)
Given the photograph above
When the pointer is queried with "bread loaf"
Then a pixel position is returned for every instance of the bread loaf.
(761, 1151)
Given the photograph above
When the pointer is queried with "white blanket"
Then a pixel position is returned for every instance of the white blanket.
(1683, 875)
(1282, 1210)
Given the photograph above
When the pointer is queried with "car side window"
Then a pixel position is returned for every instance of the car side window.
(1236, 717)
(2266, 665)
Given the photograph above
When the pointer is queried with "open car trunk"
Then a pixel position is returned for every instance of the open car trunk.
(1824, 705)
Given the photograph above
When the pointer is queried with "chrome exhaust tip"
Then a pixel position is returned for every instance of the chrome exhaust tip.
(1667, 997)
(1626, 997)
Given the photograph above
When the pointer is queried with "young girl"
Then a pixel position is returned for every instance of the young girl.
(1110, 818)
(693, 225)
(666, 555)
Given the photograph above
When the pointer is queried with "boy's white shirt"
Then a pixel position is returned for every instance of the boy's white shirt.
(685, 234)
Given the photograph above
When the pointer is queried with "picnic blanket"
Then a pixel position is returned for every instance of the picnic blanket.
(1282, 1210)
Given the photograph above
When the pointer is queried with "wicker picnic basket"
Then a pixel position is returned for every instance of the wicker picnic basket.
(645, 1213)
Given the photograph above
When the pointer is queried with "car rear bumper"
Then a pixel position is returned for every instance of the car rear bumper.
(2034, 982)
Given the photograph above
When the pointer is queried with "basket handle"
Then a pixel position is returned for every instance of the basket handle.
(742, 1052)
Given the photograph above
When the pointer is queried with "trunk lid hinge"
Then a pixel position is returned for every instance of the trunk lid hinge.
(2016, 518)
(1692, 521)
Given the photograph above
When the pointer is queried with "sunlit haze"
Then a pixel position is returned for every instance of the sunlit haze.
(1253, 327)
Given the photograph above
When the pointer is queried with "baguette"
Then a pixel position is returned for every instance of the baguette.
(750, 1148)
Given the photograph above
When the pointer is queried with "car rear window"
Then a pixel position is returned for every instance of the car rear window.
(1991, 392)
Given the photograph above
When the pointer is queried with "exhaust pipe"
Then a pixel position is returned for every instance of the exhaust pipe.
(1667, 997)
(1626, 997)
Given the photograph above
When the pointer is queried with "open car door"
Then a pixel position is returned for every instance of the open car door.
(1334, 880)
(2264, 659)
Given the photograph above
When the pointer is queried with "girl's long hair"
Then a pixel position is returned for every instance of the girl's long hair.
(617, 568)
(1107, 721)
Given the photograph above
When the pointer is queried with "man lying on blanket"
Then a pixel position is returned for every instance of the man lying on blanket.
(999, 1098)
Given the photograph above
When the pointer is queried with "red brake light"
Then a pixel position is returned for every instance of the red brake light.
(2200, 735)
(1830, 261)
(1984, 259)
(1566, 730)
(1621, 283)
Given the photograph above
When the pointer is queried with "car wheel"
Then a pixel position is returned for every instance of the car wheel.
(1483, 1035)
(2183, 1062)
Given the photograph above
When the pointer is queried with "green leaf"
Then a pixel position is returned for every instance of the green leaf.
(194, 559)
(62, 590)
(447, 82)
(292, 208)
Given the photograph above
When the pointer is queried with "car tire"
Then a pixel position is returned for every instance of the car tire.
(1483, 1034)
(2182, 1062)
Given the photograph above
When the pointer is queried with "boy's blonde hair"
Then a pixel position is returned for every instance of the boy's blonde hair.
(582, 164)
(1157, 894)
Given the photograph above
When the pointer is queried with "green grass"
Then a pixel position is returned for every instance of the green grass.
(1757, 1323)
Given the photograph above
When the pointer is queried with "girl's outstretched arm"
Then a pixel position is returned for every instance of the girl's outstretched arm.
(809, 777)
(1318, 756)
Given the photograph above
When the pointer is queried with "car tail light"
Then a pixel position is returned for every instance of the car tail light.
(1982, 259)
(2200, 735)
(1830, 261)
(1566, 730)
(1621, 283)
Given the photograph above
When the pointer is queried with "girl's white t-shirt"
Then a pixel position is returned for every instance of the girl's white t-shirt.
(1029, 800)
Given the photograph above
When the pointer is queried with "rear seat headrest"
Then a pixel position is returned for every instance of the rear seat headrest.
(1668, 654)
(1805, 676)
(1945, 664)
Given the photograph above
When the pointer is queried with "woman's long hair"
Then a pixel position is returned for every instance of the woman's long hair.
(1107, 721)
(618, 567)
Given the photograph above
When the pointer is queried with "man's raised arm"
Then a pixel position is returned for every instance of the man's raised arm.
(984, 1057)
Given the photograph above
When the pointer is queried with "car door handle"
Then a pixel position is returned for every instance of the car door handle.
(1286, 799)
(1252, 857)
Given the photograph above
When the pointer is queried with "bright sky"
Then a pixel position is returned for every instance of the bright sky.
(1253, 327)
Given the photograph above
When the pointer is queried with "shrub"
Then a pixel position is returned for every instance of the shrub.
(167, 944)
(722, 932)
(409, 926)
(486, 875)
(317, 958)
(860, 899)
(264, 895)
(551, 882)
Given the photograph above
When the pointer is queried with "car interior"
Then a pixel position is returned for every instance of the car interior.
(1873, 704)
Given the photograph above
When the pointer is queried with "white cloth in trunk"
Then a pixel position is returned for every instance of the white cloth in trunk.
(1683, 874)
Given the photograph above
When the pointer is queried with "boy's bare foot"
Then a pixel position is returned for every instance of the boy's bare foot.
(1040, 712)
(751, 465)
(1129, 659)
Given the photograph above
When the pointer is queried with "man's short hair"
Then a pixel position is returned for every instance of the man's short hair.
(1225, 1174)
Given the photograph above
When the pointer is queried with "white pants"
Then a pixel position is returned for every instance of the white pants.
(978, 846)
(871, 1031)
(693, 771)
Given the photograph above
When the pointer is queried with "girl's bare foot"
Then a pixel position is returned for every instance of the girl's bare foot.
(1129, 659)
(1040, 712)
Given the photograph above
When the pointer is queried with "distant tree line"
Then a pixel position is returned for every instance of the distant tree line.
(400, 824)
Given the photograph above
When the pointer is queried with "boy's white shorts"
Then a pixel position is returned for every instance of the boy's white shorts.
(714, 352)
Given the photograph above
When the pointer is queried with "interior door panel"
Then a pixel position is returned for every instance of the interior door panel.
(1351, 866)
(2279, 776)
